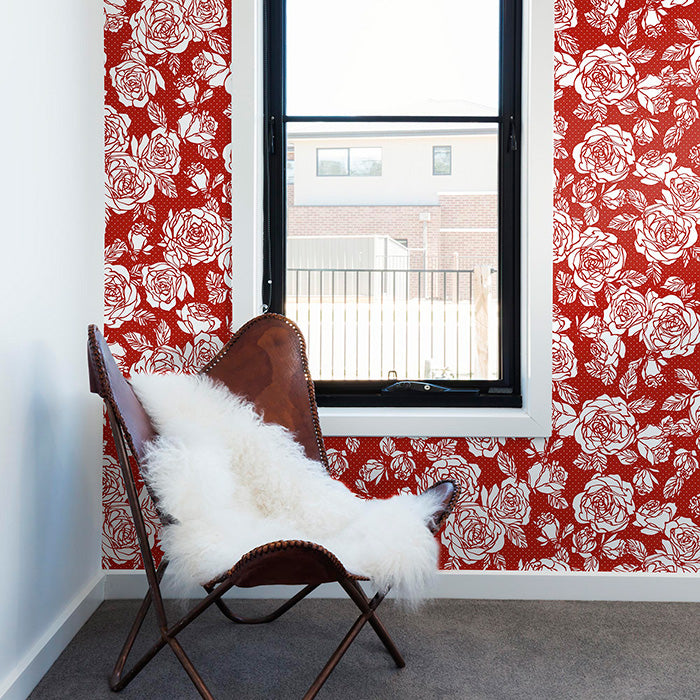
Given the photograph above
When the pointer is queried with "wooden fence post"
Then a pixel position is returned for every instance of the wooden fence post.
(482, 285)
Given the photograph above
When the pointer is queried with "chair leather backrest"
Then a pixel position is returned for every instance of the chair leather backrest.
(265, 362)
(107, 380)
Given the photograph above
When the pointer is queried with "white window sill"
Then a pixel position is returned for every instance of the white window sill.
(433, 422)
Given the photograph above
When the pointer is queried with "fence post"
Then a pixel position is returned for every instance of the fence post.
(482, 285)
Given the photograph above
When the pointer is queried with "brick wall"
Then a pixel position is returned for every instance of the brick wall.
(446, 249)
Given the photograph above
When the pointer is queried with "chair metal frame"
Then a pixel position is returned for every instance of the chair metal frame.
(267, 564)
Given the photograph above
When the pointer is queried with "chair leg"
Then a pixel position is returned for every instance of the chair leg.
(117, 681)
(354, 590)
(190, 669)
(336, 656)
(120, 680)
(368, 608)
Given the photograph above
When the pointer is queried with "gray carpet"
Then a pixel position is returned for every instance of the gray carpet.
(453, 649)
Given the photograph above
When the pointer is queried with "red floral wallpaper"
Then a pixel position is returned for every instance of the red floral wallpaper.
(168, 204)
(617, 486)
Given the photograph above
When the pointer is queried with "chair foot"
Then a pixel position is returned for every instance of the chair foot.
(367, 608)
(190, 669)
(336, 656)
(354, 590)
(119, 681)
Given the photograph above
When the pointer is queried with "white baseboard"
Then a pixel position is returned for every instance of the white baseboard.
(37, 661)
(500, 585)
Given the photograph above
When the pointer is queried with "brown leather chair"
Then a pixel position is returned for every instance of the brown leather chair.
(266, 363)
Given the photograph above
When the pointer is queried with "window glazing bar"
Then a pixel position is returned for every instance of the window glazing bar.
(384, 118)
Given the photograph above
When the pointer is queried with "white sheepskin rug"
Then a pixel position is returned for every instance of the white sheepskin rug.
(233, 483)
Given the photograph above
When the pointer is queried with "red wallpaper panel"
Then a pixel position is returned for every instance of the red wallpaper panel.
(168, 204)
(616, 487)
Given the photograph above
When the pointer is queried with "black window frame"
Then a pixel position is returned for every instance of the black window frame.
(504, 392)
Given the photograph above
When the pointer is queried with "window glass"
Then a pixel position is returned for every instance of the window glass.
(395, 245)
(332, 161)
(365, 161)
(290, 164)
(394, 277)
(390, 57)
(442, 160)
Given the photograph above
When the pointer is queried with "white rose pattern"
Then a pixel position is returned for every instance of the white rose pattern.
(167, 243)
(615, 487)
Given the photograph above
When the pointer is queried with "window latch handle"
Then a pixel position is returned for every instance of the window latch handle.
(512, 139)
(424, 387)
(271, 135)
(414, 386)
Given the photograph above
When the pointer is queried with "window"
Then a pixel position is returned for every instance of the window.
(365, 161)
(442, 160)
(348, 161)
(332, 161)
(258, 146)
(290, 164)
(435, 322)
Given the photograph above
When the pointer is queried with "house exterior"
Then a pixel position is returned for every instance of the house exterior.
(392, 248)
(432, 189)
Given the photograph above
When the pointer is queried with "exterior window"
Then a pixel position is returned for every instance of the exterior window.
(365, 161)
(406, 287)
(348, 161)
(290, 164)
(332, 161)
(442, 160)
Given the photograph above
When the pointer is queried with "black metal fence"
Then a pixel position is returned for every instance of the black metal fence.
(383, 324)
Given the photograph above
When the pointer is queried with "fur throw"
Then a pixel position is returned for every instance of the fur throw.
(233, 483)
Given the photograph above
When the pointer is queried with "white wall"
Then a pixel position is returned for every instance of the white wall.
(51, 230)
(407, 170)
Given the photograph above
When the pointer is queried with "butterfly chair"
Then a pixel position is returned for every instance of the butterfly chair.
(265, 362)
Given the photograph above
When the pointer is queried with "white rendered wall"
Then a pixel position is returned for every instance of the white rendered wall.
(407, 170)
(51, 229)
